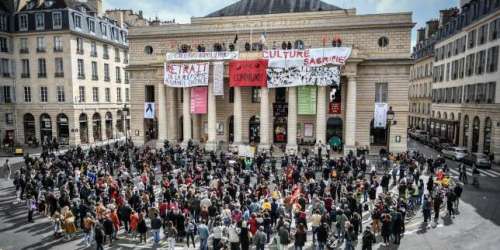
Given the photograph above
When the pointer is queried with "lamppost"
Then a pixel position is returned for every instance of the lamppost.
(125, 114)
(390, 121)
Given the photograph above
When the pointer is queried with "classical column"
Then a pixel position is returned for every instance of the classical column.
(211, 144)
(104, 136)
(291, 146)
(321, 116)
(350, 117)
(480, 144)
(196, 127)
(265, 124)
(237, 116)
(172, 113)
(186, 115)
(162, 115)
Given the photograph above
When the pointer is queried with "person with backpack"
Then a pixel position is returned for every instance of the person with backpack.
(368, 239)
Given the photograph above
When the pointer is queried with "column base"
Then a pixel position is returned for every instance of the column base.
(211, 146)
(348, 149)
(292, 149)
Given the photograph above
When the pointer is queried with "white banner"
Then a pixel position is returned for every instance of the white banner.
(218, 74)
(380, 116)
(149, 110)
(202, 56)
(186, 75)
(320, 67)
(246, 151)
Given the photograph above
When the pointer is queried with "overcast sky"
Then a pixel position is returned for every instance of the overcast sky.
(183, 10)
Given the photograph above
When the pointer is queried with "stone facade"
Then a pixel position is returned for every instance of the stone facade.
(372, 62)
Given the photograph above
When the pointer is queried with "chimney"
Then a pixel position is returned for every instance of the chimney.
(431, 27)
(98, 6)
(420, 35)
(445, 16)
(120, 19)
(20, 4)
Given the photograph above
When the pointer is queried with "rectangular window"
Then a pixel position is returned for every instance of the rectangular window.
(461, 68)
(125, 57)
(381, 92)
(149, 93)
(56, 20)
(118, 75)
(118, 95)
(106, 72)
(255, 95)
(483, 34)
(40, 44)
(441, 75)
(472, 39)
(25, 67)
(95, 76)
(448, 71)
(491, 92)
(4, 67)
(81, 92)
(58, 46)
(81, 69)
(23, 46)
(91, 24)
(95, 94)
(480, 62)
(79, 45)
(44, 94)
(59, 67)
(127, 95)
(4, 46)
(77, 21)
(40, 21)
(93, 49)
(60, 94)
(23, 22)
(42, 68)
(480, 93)
(492, 62)
(126, 77)
(107, 94)
(3, 23)
(27, 94)
(117, 55)
(7, 98)
(104, 29)
(105, 51)
(470, 64)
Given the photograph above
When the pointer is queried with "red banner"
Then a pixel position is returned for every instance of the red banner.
(199, 100)
(335, 108)
(252, 73)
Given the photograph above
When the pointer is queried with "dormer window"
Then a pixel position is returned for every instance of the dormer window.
(40, 21)
(56, 20)
(91, 24)
(77, 20)
(49, 3)
(104, 29)
(23, 22)
(31, 5)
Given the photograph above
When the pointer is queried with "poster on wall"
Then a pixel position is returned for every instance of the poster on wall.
(335, 108)
(306, 100)
(248, 73)
(380, 116)
(308, 130)
(246, 151)
(186, 75)
(199, 96)
(149, 110)
(202, 56)
(218, 74)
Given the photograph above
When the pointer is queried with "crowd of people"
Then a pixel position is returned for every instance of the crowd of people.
(189, 197)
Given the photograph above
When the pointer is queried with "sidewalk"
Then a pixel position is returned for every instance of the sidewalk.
(36, 152)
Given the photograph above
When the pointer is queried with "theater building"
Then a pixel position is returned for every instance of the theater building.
(375, 74)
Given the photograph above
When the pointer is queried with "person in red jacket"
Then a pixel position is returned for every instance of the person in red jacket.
(252, 222)
(134, 220)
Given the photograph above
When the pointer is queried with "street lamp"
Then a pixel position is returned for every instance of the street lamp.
(125, 112)
(390, 121)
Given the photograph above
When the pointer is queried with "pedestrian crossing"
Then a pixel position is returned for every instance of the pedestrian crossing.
(482, 172)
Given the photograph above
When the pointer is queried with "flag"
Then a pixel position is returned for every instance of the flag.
(263, 38)
(235, 39)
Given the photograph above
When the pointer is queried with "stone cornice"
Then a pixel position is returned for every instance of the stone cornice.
(275, 23)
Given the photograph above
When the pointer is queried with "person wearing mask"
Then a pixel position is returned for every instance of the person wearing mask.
(300, 237)
(155, 228)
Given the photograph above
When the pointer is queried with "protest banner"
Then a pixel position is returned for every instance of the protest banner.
(251, 73)
(186, 75)
(203, 56)
(218, 78)
(306, 100)
(199, 96)
(380, 116)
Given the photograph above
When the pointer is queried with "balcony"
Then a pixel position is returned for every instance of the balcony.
(117, 59)
(81, 77)
(93, 54)
(106, 79)
(25, 75)
(118, 80)
(80, 51)
(95, 78)
(42, 75)
(40, 50)
(24, 51)
(59, 74)
(58, 49)
(105, 56)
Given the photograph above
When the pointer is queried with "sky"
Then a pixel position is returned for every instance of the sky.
(183, 10)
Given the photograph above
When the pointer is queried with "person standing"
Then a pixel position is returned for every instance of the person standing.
(88, 225)
(368, 239)
(170, 234)
(260, 239)
(108, 229)
(322, 236)
(203, 233)
(284, 237)
(31, 205)
(155, 228)
(300, 237)
(99, 237)
(6, 167)
(142, 229)
(386, 228)
(463, 173)
(190, 231)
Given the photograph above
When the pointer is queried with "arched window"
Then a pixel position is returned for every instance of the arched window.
(299, 44)
(487, 136)
(148, 50)
(63, 129)
(29, 129)
(84, 128)
(383, 42)
(465, 142)
(475, 134)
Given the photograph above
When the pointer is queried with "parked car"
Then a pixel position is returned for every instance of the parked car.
(455, 153)
(422, 135)
(434, 142)
(478, 159)
(440, 146)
